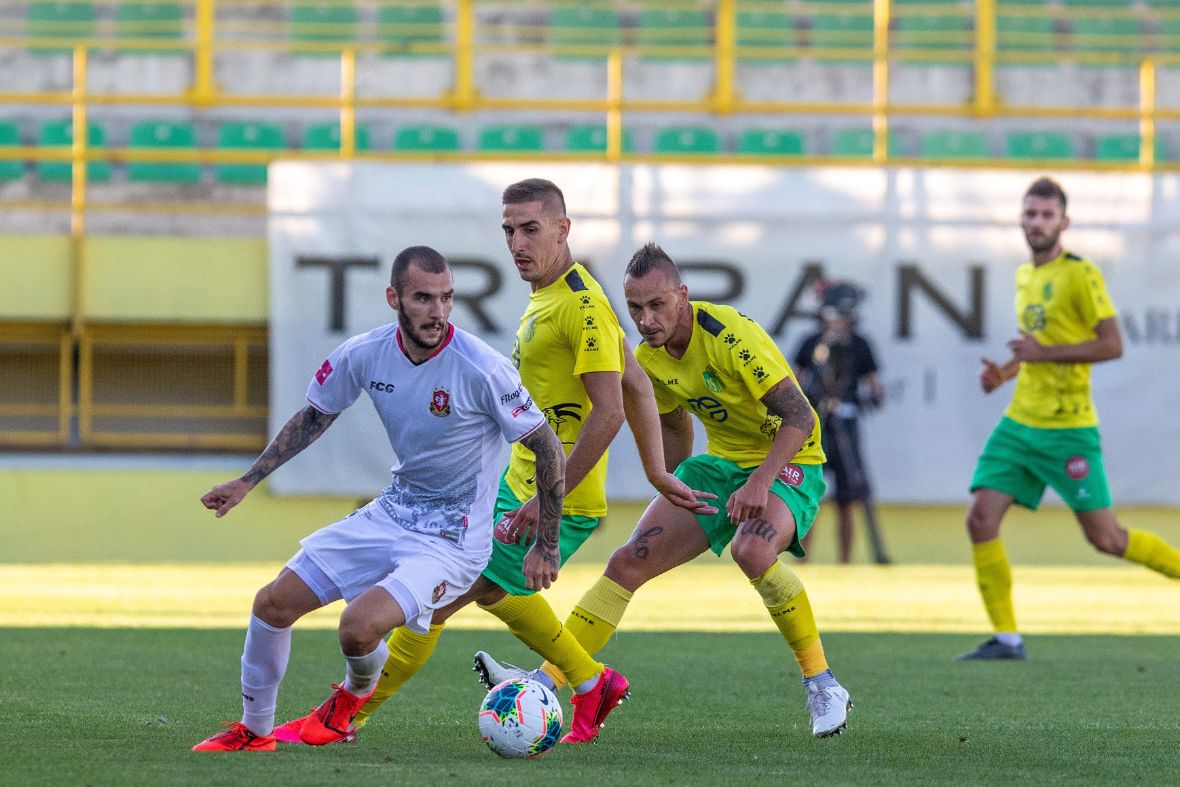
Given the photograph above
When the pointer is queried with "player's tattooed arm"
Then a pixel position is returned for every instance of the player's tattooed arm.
(544, 557)
(298, 433)
(787, 402)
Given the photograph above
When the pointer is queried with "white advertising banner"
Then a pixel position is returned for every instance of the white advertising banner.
(936, 249)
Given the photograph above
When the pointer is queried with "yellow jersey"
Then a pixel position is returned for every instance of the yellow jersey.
(1059, 302)
(730, 364)
(568, 329)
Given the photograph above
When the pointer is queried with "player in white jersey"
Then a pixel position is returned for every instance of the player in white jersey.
(446, 400)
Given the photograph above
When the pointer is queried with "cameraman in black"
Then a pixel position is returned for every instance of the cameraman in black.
(838, 373)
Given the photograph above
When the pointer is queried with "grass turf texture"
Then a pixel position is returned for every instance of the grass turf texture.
(123, 706)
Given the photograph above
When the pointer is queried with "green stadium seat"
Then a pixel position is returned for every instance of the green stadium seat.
(150, 21)
(691, 140)
(164, 135)
(770, 142)
(323, 23)
(858, 143)
(10, 169)
(234, 135)
(1096, 3)
(1169, 35)
(511, 139)
(1020, 34)
(842, 37)
(326, 136)
(767, 36)
(1109, 35)
(1040, 145)
(672, 34)
(1123, 147)
(411, 29)
(947, 39)
(580, 32)
(954, 145)
(592, 139)
(61, 134)
(68, 21)
(426, 138)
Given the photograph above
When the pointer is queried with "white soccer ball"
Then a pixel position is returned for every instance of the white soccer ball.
(520, 718)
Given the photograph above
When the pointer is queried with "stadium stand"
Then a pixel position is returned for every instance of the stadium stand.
(10, 169)
(326, 136)
(511, 139)
(770, 142)
(249, 135)
(164, 135)
(60, 133)
(583, 32)
(1039, 145)
(680, 140)
(592, 139)
(946, 144)
(426, 138)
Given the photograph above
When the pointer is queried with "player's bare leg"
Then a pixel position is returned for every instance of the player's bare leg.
(993, 573)
(1104, 532)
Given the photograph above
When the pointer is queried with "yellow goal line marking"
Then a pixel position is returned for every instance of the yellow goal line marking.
(695, 597)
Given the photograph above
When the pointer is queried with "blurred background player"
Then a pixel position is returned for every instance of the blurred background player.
(764, 463)
(1049, 435)
(426, 538)
(838, 372)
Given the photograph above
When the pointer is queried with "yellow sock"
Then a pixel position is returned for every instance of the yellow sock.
(531, 619)
(408, 651)
(1153, 552)
(993, 574)
(593, 620)
(786, 600)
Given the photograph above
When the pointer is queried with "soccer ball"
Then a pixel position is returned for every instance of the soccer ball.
(520, 718)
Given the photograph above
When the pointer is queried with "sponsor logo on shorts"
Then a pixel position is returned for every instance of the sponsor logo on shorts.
(791, 475)
(1076, 467)
(439, 592)
(322, 374)
(440, 403)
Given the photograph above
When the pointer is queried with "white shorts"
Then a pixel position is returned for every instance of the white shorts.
(368, 549)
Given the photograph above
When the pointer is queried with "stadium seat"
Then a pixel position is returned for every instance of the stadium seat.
(68, 21)
(323, 23)
(1039, 145)
(326, 136)
(767, 36)
(1108, 36)
(842, 37)
(954, 145)
(681, 140)
(1096, 3)
(164, 135)
(1123, 147)
(770, 142)
(580, 32)
(1169, 35)
(151, 21)
(234, 135)
(10, 169)
(858, 143)
(673, 34)
(505, 139)
(426, 138)
(946, 39)
(61, 134)
(592, 139)
(411, 29)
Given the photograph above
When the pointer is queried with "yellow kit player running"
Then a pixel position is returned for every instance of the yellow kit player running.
(764, 460)
(1049, 433)
(570, 348)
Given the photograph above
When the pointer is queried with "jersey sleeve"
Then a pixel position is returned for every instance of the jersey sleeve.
(509, 402)
(1095, 303)
(335, 385)
(756, 359)
(595, 335)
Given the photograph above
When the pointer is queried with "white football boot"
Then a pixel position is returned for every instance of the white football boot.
(492, 672)
(829, 706)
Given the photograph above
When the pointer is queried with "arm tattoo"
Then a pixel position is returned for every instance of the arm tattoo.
(298, 433)
(788, 403)
(550, 469)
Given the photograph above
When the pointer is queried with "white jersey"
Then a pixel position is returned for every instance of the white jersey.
(445, 418)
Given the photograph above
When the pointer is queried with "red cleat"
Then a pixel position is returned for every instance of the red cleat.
(289, 732)
(332, 721)
(237, 737)
(591, 708)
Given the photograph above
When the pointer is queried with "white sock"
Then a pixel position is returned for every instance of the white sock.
(584, 686)
(542, 677)
(364, 671)
(264, 662)
(1009, 638)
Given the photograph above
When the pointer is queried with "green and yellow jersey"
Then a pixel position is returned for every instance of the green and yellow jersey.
(1059, 302)
(568, 329)
(730, 364)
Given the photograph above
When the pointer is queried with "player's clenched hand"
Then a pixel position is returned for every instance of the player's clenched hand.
(1026, 348)
(540, 570)
(990, 377)
(683, 496)
(519, 525)
(748, 502)
(223, 497)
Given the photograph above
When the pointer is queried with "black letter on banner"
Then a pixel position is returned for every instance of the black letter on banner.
(337, 268)
(910, 278)
(737, 284)
(813, 270)
(474, 300)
